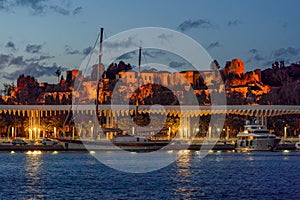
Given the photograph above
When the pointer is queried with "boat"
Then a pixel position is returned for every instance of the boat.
(120, 142)
(123, 140)
(256, 137)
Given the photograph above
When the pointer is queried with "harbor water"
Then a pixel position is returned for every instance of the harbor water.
(78, 175)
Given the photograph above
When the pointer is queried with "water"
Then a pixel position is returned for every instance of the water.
(267, 175)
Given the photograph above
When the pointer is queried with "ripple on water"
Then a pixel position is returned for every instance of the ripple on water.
(80, 176)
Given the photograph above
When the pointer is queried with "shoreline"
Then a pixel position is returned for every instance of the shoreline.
(192, 147)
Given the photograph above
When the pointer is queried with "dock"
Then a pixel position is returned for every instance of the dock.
(192, 147)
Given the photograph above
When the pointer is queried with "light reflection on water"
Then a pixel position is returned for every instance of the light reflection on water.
(219, 175)
(33, 170)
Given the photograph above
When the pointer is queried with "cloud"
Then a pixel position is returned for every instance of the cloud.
(17, 61)
(29, 66)
(33, 48)
(70, 51)
(40, 7)
(253, 51)
(255, 57)
(87, 50)
(189, 24)
(4, 59)
(10, 45)
(121, 44)
(214, 45)
(127, 56)
(4, 5)
(175, 64)
(233, 22)
(41, 58)
(286, 52)
(164, 36)
(153, 53)
(289, 55)
(77, 10)
(60, 10)
(34, 69)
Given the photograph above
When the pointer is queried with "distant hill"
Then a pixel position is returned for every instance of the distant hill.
(284, 82)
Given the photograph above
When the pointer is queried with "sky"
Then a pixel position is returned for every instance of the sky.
(38, 37)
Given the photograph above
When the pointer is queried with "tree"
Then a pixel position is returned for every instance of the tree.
(58, 73)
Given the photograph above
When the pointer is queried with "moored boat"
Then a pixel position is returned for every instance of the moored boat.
(256, 137)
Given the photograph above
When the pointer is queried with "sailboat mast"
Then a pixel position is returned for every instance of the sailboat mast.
(100, 50)
(100, 72)
(138, 83)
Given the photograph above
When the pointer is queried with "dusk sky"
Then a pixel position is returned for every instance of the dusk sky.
(40, 36)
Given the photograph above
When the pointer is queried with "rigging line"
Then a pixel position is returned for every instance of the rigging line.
(90, 56)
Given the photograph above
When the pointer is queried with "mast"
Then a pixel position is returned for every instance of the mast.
(138, 83)
(99, 71)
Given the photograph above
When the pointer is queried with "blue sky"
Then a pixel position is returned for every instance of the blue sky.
(37, 37)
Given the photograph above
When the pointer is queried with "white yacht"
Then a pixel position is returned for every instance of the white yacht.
(256, 137)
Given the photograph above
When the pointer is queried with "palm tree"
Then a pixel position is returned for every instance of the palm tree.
(58, 73)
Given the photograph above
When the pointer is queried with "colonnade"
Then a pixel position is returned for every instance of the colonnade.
(187, 114)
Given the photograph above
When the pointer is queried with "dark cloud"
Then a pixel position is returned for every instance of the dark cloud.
(175, 64)
(258, 57)
(30, 66)
(39, 7)
(17, 61)
(87, 50)
(153, 53)
(10, 45)
(289, 55)
(4, 59)
(77, 10)
(127, 56)
(189, 24)
(60, 10)
(286, 52)
(70, 51)
(253, 51)
(4, 5)
(233, 23)
(33, 48)
(129, 42)
(41, 58)
(214, 45)
(34, 69)
(255, 56)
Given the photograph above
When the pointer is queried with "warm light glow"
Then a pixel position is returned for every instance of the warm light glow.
(12, 152)
(286, 151)
(34, 152)
(55, 152)
(92, 152)
(181, 152)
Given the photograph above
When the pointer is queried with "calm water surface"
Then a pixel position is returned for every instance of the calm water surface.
(268, 175)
